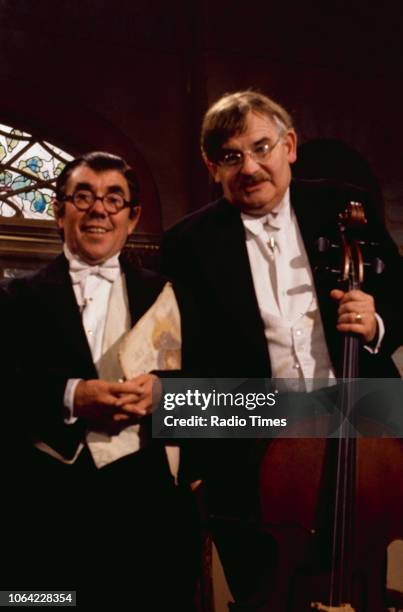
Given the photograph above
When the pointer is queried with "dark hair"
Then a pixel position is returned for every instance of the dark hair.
(227, 118)
(98, 161)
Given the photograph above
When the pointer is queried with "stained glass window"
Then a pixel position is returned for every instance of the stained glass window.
(28, 171)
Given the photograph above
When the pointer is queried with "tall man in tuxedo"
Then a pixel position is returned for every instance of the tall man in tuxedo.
(249, 260)
(114, 527)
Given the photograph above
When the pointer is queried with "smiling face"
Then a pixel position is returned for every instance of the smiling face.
(256, 187)
(93, 234)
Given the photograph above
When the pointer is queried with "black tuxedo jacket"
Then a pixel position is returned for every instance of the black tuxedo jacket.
(46, 345)
(206, 252)
(73, 520)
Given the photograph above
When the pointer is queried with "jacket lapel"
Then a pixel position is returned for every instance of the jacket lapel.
(228, 263)
(316, 211)
(304, 203)
(143, 289)
(60, 301)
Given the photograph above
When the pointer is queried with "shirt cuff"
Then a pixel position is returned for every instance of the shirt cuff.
(374, 349)
(68, 400)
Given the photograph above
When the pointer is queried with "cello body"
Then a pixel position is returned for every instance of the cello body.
(333, 505)
(296, 507)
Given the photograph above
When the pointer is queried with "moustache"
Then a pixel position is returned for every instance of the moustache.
(249, 181)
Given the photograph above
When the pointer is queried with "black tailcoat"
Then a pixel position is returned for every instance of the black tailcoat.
(206, 252)
(76, 524)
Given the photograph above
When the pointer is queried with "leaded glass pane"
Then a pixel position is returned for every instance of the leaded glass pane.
(28, 169)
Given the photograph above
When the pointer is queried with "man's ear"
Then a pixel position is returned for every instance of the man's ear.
(134, 219)
(213, 170)
(291, 142)
(58, 209)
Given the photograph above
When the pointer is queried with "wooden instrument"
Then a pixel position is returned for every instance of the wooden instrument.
(334, 505)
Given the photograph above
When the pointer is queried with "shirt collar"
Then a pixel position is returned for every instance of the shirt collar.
(277, 218)
(114, 260)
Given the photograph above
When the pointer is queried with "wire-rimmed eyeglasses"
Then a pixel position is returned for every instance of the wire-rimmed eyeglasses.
(260, 153)
(112, 202)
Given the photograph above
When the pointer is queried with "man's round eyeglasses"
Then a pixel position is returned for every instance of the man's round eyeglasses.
(112, 202)
(260, 153)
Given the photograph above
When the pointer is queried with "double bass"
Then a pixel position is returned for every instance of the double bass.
(333, 505)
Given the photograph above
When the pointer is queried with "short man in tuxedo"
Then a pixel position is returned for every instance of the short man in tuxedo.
(249, 260)
(96, 506)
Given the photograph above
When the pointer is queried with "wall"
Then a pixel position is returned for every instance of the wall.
(149, 71)
(133, 75)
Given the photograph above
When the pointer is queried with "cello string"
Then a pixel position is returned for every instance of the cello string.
(348, 442)
(348, 445)
(345, 479)
(338, 550)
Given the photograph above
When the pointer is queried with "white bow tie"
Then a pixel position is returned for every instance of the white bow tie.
(79, 271)
(272, 220)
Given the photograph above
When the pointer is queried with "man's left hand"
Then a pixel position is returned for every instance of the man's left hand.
(146, 393)
(356, 313)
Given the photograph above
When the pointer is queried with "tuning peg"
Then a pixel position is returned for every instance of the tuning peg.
(327, 269)
(378, 265)
(323, 244)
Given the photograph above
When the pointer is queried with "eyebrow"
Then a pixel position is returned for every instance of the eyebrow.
(263, 140)
(89, 187)
(83, 186)
(254, 144)
(116, 189)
